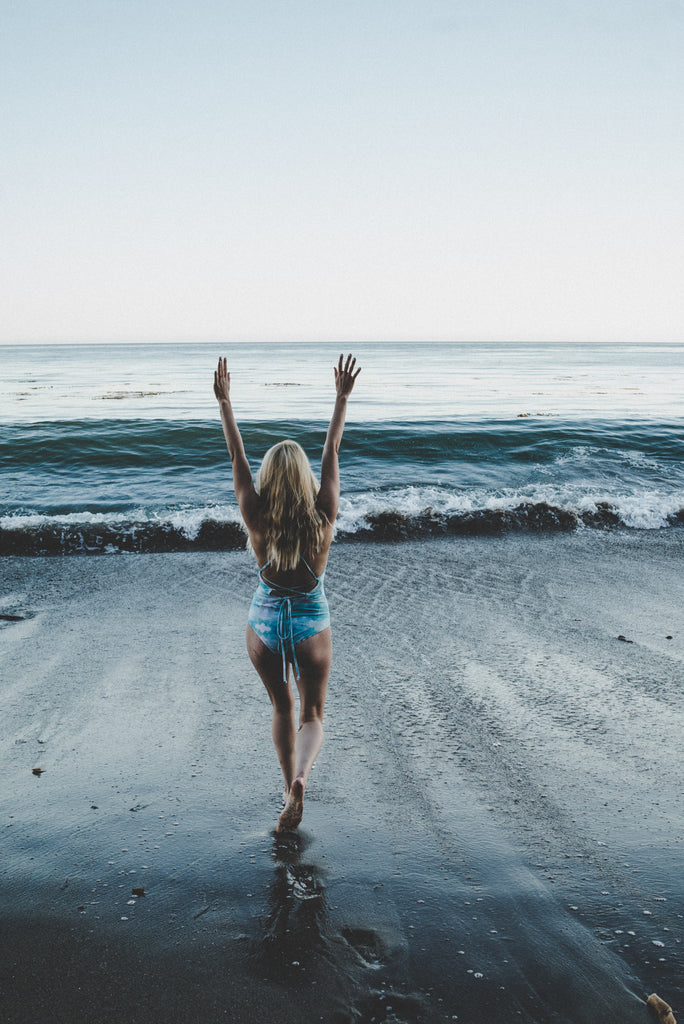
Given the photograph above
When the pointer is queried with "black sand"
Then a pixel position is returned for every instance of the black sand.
(493, 830)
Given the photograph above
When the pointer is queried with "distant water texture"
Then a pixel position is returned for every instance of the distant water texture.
(107, 449)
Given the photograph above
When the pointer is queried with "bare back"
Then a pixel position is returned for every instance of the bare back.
(300, 576)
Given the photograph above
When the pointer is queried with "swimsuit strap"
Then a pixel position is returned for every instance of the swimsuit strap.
(271, 584)
(311, 570)
(286, 637)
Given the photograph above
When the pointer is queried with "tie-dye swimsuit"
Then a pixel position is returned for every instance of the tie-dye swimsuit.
(284, 616)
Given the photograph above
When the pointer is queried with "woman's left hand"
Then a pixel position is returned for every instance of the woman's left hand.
(345, 377)
(222, 382)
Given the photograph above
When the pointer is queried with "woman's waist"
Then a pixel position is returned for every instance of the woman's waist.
(274, 593)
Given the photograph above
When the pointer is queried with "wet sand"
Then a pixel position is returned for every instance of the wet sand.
(492, 831)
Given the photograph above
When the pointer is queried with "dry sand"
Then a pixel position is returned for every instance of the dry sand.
(493, 830)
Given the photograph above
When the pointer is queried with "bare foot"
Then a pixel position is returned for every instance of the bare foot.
(294, 808)
(662, 1010)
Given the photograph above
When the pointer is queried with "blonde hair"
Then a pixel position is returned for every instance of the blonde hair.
(293, 526)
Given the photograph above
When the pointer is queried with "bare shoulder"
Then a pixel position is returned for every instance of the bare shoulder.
(256, 534)
(321, 557)
(327, 502)
(250, 509)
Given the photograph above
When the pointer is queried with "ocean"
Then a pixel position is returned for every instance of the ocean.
(107, 449)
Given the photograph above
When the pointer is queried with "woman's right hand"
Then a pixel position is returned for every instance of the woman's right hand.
(345, 376)
(222, 382)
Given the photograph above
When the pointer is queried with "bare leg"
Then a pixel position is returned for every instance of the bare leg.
(270, 668)
(309, 741)
(314, 656)
(283, 732)
(296, 753)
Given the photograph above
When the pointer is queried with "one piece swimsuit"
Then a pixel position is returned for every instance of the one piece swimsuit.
(284, 616)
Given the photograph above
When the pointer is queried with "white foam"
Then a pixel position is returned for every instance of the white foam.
(642, 509)
(188, 521)
(638, 509)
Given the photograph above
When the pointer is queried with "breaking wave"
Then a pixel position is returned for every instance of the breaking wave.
(402, 514)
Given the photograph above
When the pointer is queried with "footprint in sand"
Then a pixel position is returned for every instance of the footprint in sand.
(366, 944)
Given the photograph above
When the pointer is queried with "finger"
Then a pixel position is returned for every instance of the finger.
(356, 374)
(339, 365)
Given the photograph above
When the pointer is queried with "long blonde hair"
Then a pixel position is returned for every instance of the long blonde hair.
(293, 526)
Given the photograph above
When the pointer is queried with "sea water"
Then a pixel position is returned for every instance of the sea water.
(112, 448)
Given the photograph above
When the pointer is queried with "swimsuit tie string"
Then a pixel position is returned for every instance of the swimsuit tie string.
(286, 636)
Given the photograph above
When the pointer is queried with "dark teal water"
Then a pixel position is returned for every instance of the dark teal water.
(94, 470)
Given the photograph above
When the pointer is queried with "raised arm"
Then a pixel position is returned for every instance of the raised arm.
(329, 493)
(242, 475)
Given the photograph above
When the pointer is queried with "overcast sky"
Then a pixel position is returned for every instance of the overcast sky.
(342, 170)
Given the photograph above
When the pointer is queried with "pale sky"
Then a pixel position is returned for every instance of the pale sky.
(342, 170)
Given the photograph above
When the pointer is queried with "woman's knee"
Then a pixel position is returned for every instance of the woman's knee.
(312, 710)
(282, 699)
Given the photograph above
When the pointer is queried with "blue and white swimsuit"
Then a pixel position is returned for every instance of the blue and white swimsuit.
(284, 616)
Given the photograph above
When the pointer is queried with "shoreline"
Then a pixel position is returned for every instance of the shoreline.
(495, 810)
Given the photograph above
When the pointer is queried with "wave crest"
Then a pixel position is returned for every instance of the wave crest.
(220, 530)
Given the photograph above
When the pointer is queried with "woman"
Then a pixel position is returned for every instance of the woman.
(289, 520)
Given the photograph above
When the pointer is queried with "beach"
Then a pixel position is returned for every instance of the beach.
(493, 829)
